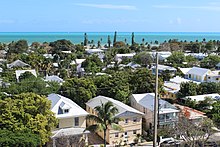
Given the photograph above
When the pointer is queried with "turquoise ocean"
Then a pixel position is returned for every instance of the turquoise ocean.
(78, 37)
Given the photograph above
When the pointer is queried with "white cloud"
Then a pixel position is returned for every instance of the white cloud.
(208, 7)
(113, 21)
(6, 21)
(108, 6)
(179, 20)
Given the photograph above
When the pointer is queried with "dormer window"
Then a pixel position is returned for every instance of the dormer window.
(66, 111)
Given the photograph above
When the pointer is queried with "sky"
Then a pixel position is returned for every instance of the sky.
(109, 16)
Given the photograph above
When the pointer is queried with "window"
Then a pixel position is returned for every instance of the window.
(76, 119)
(57, 125)
(116, 134)
(189, 76)
(66, 110)
(134, 132)
(126, 121)
(126, 133)
(135, 119)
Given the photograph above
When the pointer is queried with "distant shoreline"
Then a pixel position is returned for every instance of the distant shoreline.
(78, 37)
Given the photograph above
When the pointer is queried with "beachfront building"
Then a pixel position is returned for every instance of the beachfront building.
(168, 114)
(203, 75)
(163, 68)
(131, 122)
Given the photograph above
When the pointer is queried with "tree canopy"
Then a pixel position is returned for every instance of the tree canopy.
(28, 111)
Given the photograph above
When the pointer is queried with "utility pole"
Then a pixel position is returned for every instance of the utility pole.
(156, 105)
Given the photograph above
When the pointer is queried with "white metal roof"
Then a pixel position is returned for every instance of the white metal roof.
(119, 105)
(59, 101)
(198, 71)
(68, 132)
(147, 100)
(19, 72)
(184, 70)
(54, 78)
(197, 98)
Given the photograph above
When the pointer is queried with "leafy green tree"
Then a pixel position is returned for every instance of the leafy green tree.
(80, 90)
(116, 87)
(18, 47)
(142, 81)
(28, 111)
(104, 119)
(208, 88)
(61, 45)
(210, 61)
(187, 89)
(119, 44)
(18, 138)
(177, 58)
(215, 113)
(143, 58)
(92, 64)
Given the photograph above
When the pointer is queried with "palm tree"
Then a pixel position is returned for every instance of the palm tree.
(104, 119)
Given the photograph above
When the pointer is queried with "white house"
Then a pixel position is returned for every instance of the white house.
(198, 98)
(68, 112)
(54, 78)
(203, 75)
(120, 57)
(71, 118)
(162, 68)
(168, 114)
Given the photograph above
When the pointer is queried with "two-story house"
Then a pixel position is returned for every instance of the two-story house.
(168, 114)
(71, 122)
(67, 112)
(131, 122)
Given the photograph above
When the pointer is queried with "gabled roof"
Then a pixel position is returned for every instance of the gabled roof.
(184, 70)
(197, 98)
(147, 100)
(19, 72)
(164, 67)
(190, 113)
(54, 78)
(198, 71)
(60, 103)
(122, 108)
(18, 63)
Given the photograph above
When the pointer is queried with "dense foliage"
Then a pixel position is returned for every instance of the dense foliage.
(27, 111)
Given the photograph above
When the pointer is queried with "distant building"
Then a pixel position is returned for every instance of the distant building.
(198, 98)
(163, 68)
(131, 123)
(17, 63)
(120, 57)
(54, 78)
(19, 72)
(172, 87)
(168, 114)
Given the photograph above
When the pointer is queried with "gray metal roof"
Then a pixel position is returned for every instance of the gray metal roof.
(198, 71)
(17, 63)
(122, 108)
